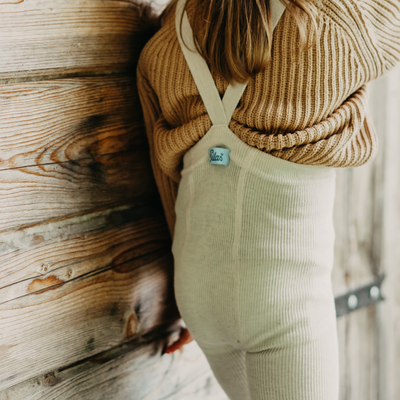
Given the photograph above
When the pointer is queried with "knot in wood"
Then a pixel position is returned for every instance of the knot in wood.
(49, 380)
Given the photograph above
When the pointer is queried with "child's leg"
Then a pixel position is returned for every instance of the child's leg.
(229, 367)
(307, 371)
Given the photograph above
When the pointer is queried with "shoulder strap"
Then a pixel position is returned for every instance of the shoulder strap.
(199, 68)
(220, 112)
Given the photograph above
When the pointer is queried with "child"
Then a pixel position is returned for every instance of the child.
(244, 158)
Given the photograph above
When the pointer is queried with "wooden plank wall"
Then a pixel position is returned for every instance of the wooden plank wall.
(355, 206)
(86, 299)
(388, 313)
(367, 224)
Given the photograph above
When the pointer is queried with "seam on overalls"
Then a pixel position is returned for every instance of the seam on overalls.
(187, 214)
(238, 230)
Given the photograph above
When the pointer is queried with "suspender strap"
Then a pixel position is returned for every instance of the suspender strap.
(220, 112)
(199, 69)
(231, 98)
(277, 10)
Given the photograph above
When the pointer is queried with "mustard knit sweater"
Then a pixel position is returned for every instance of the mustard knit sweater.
(305, 107)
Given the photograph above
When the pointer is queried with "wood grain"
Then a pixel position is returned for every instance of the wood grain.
(85, 260)
(69, 119)
(126, 373)
(84, 315)
(357, 203)
(386, 101)
(51, 254)
(38, 37)
(367, 224)
(31, 195)
(353, 267)
(354, 228)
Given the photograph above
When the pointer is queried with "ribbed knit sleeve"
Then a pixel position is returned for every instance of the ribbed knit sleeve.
(382, 22)
(151, 109)
(373, 26)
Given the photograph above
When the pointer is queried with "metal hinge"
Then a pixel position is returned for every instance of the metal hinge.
(358, 298)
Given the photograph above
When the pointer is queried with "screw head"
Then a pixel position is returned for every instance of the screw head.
(352, 302)
(374, 293)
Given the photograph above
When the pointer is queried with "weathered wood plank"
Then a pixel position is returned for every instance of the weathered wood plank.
(38, 37)
(354, 222)
(31, 195)
(72, 320)
(68, 119)
(354, 228)
(127, 373)
(369, 339)
(51, 254)
(387, 102)
(358, 353)
(357, 203)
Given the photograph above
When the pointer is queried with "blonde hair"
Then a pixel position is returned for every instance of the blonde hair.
(235, 36)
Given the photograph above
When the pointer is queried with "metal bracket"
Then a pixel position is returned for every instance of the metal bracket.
(358, 298)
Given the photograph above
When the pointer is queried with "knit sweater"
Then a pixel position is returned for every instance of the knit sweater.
(307, 107)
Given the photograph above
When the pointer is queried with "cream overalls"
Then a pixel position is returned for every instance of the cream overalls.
(253, 250)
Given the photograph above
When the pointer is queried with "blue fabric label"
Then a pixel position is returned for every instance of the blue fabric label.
(219, 156)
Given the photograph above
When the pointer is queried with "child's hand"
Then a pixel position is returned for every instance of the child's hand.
(184, 338)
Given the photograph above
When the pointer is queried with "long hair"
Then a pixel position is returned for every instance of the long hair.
(235, 36)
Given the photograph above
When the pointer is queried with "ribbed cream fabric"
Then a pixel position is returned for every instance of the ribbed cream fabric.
(253, 251)
(308, 108)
